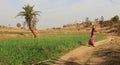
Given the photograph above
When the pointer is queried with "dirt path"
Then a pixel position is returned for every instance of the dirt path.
(85, 55)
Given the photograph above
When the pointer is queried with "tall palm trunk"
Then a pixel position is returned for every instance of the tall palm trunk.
(31, 28)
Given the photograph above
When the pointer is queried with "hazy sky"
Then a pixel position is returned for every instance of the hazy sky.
(56, 13)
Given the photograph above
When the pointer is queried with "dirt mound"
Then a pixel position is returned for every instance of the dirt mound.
(109, 53)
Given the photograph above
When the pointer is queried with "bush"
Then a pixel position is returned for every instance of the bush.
(115, 18)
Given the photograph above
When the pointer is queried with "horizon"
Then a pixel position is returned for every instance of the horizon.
(60, 12)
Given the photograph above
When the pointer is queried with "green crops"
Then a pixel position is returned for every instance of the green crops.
(25, 51)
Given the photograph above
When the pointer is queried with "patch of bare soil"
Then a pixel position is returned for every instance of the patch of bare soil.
(105, 52)
(7, 36)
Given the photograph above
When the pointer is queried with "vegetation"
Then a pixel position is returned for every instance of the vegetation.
(110, 22)
(35, 20)
(18, 25)
(26, 51)
(87, 22)
(115, 18)
(29, 15)
(96, 20)
(102, 18)
(101, 22)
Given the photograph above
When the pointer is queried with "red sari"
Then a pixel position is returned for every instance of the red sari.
(93, 36)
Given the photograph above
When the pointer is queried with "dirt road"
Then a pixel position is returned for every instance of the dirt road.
(105, 52)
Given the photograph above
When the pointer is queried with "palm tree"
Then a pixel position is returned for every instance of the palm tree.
(29, 13)
(34, 22)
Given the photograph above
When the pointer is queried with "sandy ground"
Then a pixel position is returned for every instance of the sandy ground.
(105, 52)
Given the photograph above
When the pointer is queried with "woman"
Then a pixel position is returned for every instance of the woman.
(93, 36)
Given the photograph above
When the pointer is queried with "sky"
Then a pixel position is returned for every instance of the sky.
(56, 13)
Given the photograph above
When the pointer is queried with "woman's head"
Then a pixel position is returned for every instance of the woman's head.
(93, 26)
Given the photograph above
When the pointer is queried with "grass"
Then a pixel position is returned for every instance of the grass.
(25, 51)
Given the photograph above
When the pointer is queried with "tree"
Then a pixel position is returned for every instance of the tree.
(115, 18)
(35, 20)
(87, 22)
(18, 25)
(102, 18)
(96, 20)
(29, 13)
(101, 22)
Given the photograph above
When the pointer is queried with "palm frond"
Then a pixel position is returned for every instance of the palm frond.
(21, 14)
(28, 12)
(36, 13)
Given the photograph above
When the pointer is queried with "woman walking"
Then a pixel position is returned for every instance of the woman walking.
(93, 36)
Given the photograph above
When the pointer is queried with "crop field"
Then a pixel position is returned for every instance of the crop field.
(25, 51)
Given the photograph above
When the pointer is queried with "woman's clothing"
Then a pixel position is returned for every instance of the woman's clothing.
(93, 36)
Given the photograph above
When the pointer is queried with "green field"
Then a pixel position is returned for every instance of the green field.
(25, 51)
